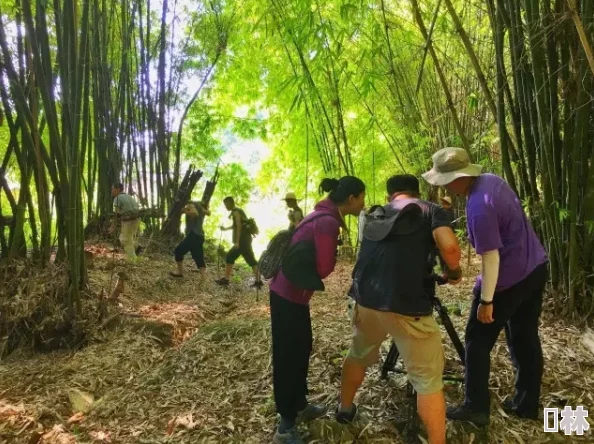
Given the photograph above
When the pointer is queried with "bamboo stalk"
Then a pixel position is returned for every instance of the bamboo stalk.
(440, 74)
(573, 8)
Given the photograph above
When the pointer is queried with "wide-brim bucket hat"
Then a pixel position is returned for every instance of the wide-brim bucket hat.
(450, 164)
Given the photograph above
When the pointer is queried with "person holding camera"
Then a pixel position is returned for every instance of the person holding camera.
(393, 285)
(508, 293)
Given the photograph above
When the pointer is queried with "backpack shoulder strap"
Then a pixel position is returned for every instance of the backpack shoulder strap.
(314, 217)
(383, 221)
(242, 214)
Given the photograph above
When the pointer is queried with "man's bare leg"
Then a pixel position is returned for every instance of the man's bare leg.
(228, 271)
(353, 374)
(432, 410)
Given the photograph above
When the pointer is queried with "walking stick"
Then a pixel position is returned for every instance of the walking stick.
(258, 289)
(219, 251)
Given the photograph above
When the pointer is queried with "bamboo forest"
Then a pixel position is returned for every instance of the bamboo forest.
(296, 221)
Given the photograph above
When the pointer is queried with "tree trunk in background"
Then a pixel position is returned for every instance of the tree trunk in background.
(171, 225)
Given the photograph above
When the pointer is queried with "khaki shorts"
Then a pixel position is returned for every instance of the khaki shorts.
(418, 341)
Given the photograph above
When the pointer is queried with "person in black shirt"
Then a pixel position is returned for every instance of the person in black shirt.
(411, 326)
(194, 241)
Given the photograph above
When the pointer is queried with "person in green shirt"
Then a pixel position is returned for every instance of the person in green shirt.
(242, 244)
(126, 210)
(193, 243)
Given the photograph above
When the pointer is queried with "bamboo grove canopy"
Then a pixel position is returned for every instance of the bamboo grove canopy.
(99, 91)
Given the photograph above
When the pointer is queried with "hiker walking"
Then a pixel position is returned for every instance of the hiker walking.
(295, 213)
(126, 211)
(508, 293)
(310, 258)
(393, 287)
(243, 231)
(193, 242)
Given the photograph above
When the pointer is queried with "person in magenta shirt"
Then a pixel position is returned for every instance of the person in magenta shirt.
(507, 294)
(289, 304)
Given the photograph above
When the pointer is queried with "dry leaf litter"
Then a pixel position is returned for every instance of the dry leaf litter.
(178, 362)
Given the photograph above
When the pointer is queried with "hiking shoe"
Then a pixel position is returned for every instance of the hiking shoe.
(223, 282)
(257, 284)
(311, 412)
(346, 417)
(291, 436)
(463, 413)
(511, 409)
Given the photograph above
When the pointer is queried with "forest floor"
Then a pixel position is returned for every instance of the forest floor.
(186, 363)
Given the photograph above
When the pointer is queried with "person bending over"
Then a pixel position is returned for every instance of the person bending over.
(508, 293)
(316, 237)
(393, 286)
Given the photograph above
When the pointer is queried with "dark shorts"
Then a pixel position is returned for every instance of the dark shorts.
(245, 250)
(193, 243)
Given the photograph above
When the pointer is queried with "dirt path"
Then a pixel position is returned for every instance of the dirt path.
(190, 364)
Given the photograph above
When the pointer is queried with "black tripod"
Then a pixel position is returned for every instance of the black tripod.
(412, 417)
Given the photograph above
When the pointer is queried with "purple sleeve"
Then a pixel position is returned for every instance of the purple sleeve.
(326, 241)
(483, 228)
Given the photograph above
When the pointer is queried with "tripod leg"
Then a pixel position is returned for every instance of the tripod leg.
(447, 323)
(412, 427)
(390, 362)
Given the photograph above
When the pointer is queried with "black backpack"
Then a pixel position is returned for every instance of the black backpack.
(251, 227)
(393, 269)
(272, 258)
(247, 223)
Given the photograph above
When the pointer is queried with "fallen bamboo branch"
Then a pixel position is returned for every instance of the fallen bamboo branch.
(588, 340)
(119, 287)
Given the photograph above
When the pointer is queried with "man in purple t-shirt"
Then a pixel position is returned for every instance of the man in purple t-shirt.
(507, 294)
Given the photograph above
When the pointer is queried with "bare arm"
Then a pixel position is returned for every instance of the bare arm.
(237, 233)
(449, 249)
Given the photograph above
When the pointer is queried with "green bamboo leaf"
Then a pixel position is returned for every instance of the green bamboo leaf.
(296, 102)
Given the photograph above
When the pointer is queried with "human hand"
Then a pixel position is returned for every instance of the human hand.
(485, 313)
(454, 277)
(450, 280)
